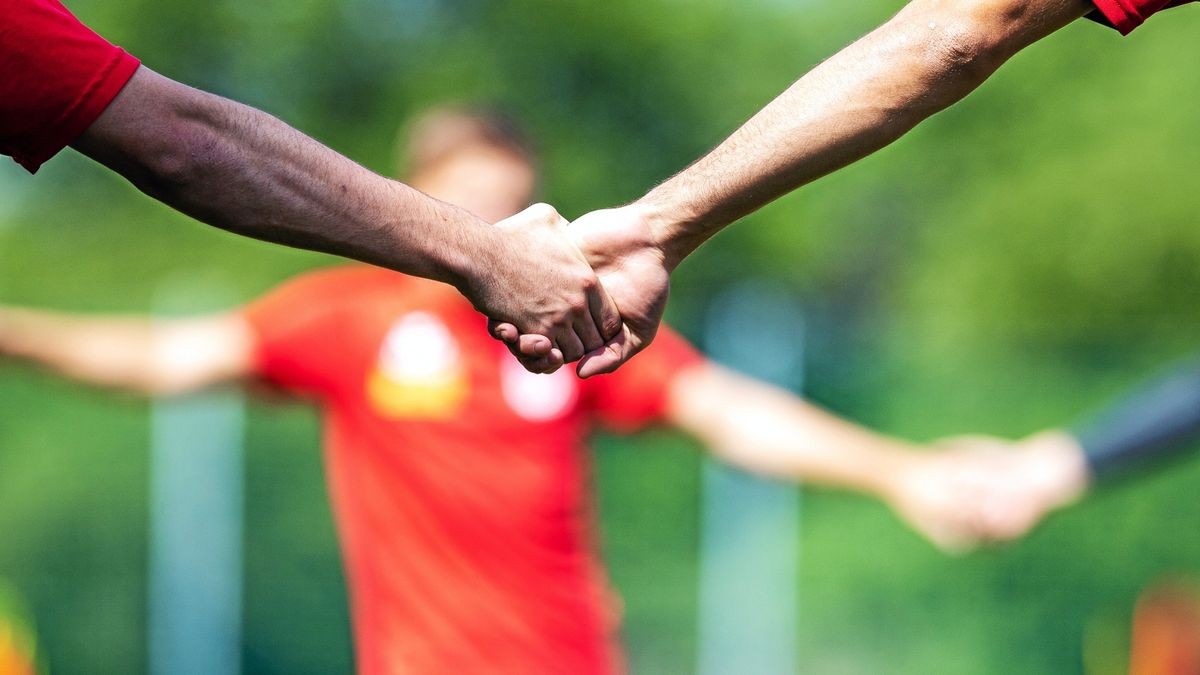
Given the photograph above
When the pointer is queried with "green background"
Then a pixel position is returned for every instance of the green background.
(1008, 266)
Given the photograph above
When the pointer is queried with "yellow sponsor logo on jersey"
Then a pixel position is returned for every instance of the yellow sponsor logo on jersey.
(420, 373)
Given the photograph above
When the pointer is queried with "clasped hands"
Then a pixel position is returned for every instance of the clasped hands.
(980, 490)
(591, 291)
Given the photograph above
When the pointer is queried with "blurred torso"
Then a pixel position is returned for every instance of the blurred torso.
(458, 483)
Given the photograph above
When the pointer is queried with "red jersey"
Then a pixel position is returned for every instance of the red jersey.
(56, 77)
(1125, 15)
(458, 480)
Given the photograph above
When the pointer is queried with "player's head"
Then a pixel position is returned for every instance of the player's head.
(478, 160)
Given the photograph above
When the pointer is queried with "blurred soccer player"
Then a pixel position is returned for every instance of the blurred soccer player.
(17, 651)
(459, 481)
(1166, 631)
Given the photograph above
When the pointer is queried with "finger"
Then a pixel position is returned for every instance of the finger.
(570, 345)
(542, 357)
(606, 316)
(505, 332)
(609, 357)
(533, 345)
(543, 365)
(588, 334)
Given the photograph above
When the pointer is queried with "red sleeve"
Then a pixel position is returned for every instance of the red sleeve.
(297, 330)
(1125, 15)
(638, 393)
(56, 77)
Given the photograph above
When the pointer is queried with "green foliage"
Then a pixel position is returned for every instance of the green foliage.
(1011, 263)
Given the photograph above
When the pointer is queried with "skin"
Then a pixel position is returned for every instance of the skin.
(743, 422)
(242, 170)
(926, 58)
(1020, 483)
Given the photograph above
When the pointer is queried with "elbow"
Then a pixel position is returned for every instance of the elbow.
(962, 53)
(964, 41)
(185, 150)
(179, 162)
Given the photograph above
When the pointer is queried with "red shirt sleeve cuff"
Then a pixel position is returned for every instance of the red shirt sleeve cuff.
(1126, 15)
(94, 100)
(1113, 13)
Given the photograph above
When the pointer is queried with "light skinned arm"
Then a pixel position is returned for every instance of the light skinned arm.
(131, 353)
(771, 432)
(926, 58)
(245, 171)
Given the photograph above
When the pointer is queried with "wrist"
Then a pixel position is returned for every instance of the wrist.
(460, 250)
(471, 264)
(673, 226)
(892, 474)
(1058, 461)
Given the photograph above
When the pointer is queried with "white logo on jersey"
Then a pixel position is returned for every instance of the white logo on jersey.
(537, 398)
(419, 348)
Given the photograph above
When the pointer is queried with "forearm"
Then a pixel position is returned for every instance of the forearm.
(930, 55)
(774, 433)
(129, 353)
(240, 169)
(812, 446)
(115, 354)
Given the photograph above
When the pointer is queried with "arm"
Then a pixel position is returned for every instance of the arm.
(131, 353)
(771, 432)
(242, 170)
(929, 56)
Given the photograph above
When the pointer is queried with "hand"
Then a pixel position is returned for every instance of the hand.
(631, 267)
(1021, 483)
(545, 290)
(937, 493)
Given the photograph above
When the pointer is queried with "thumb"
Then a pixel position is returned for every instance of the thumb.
(504, 332)
(609, 357)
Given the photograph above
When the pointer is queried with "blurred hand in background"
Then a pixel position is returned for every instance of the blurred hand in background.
(1003, 489)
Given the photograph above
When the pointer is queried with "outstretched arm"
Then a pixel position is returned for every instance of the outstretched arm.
(926, 58)
(768, 431)
(131, 353)
(243, 170)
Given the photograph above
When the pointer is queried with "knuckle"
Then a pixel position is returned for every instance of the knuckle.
(578, 305)
(543, 211)
(611, 326)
